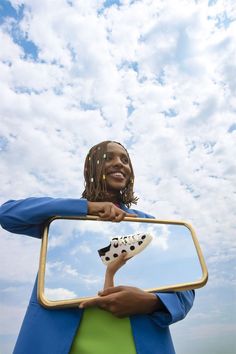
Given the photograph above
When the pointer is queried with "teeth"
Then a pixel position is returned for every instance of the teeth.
(117, 174)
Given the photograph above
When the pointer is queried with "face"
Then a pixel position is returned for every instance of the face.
(117, 168)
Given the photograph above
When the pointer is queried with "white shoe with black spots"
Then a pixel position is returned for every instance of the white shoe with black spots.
(131, 244)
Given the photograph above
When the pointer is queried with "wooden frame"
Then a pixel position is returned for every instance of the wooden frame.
(75, 302)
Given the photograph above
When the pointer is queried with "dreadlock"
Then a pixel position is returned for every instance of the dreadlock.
(95, 180)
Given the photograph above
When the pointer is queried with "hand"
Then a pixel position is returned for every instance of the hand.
(115, 265)
(107, 211)
(124, 301)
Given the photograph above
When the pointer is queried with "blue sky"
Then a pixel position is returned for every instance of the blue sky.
(75, 270)
(160, 78)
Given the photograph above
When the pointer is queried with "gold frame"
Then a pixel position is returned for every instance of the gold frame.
(75, 302)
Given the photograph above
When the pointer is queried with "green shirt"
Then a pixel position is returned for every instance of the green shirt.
(102, 333)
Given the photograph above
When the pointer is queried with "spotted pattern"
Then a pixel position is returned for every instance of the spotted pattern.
(132, 244)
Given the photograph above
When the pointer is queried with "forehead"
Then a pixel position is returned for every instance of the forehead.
(116, 149)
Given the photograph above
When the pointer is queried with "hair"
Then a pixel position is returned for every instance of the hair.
(95, 182)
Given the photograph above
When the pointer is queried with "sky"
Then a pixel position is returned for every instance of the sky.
(158, 76)
(74, 269)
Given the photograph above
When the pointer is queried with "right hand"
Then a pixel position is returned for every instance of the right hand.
(107, 211)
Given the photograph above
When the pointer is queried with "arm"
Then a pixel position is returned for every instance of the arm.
(109, 280)
(164, 308)
(177, 305)
(27, 216)
(111, 270)
(123, 301)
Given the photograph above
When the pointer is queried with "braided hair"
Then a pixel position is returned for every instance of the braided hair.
(95, 180)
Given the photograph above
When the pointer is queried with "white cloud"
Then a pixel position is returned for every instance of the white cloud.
(9, 51)
(90, 279)
(59, 267)
(84, 248)
(160, 239)
(59, 294)
(19, 258)
(157, 77)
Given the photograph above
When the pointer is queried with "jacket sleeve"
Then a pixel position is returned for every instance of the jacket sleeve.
(27, 216)
(177, 305)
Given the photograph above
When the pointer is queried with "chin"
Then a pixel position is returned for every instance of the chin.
(117, 187)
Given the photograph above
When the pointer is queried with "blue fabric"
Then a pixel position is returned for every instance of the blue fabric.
(52, 331)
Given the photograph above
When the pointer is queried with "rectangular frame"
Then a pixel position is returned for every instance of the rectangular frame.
(75, 302)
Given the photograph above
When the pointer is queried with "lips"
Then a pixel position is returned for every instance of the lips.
(117, 174)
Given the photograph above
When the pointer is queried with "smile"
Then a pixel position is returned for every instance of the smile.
(117, 175)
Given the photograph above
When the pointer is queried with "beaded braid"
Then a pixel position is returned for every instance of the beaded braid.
(95, 179)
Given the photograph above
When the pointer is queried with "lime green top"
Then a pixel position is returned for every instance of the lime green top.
(102, 333)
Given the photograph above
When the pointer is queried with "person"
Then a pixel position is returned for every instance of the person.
(122, 319)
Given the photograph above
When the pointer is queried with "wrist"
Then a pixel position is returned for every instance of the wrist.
(153, 302)
(110, 272)
(91, 206)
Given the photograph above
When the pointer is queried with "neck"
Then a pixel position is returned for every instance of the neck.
(112, 197)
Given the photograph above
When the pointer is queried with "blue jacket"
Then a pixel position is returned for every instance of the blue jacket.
(52, 331)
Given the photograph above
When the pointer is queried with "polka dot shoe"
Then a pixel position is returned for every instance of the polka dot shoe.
(132, 244)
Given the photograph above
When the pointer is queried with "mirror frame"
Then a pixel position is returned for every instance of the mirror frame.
(75, 302)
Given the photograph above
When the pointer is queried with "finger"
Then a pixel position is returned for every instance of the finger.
(120, 260)
(105, 212)
(131, 215)
(90, 303)
(127, 257)
(121, 257)
(109, 214)
(111, 290)
(120, 216)
(115, 212)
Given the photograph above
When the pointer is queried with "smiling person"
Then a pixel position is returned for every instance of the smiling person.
(123, 319)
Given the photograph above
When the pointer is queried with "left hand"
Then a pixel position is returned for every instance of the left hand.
(117, 263)
(124, 301)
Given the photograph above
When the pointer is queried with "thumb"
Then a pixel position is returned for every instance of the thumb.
(111, 290)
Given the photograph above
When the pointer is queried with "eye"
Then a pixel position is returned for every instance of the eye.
(109, 157)
(125, 160)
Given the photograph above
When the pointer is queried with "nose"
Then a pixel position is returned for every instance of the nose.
(117, 161)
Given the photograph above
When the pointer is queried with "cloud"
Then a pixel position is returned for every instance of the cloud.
(157, 77)
(84, 248)
(90, 279)
(19, 258)
(59, 293)
(59, 267)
